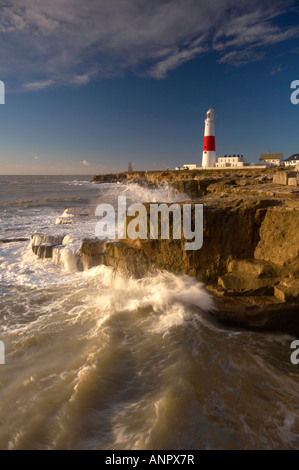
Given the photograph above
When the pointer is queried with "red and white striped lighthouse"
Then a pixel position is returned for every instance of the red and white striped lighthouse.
(209, 148)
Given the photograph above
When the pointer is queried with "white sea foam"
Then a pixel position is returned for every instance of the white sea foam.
(141, 194)
(67, 257)
(156, 291)
(98, 360)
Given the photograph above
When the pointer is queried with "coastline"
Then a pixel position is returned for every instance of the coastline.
(97, 348)
(249, 259)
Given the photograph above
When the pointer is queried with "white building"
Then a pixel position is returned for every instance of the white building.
(187, 166)
(271, 159)
(228, 161)
(292, 161)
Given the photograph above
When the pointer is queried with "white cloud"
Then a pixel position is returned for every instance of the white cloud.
(238, 58)
(278, 69)
(85, 163)
(39, 85)
(71, 41)
(173, 61)
(81, 79)
(254, 28)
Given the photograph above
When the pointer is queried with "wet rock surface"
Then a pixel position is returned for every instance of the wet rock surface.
(43, 250)
(14, 240)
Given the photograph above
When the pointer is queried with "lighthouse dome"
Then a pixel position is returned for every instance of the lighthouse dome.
(210, 114)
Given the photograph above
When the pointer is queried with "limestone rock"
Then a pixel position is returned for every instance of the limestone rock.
(249, 256)
(91, 251)
(283, 177)
(44, 250)
(280, 177)
(292, 181)
(261, 313)
(250, 252)
(237, 285)
(279, 236)
(14, 240)
(287, 291)
(49, 239)
(250, 268)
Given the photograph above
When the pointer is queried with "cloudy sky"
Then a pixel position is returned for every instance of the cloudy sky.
(92, 85)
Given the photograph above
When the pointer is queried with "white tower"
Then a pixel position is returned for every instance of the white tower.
(209, 149)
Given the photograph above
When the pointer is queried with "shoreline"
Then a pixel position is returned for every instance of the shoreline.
(249, 259)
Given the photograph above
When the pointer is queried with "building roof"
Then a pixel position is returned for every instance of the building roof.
(271, 156)
(294, 157)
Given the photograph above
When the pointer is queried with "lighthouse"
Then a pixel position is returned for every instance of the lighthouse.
(209, 149)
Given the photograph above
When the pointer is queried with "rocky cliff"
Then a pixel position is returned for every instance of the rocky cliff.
(250, 254)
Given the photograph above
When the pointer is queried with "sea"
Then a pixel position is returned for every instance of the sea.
(98, 360)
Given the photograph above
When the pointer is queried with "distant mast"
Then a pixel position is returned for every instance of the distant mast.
(209, 148)
(130, 167)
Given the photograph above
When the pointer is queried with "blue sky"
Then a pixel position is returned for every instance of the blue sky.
(93, 85)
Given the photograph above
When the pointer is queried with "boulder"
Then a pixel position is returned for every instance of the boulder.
(292, 181)
(251, 268)
(283, 177)
(279, 236)
(191, 188)
(237, 285)
(44, 250)
(287, 291)
(91, 251)
(280, 177)
(47, 239)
